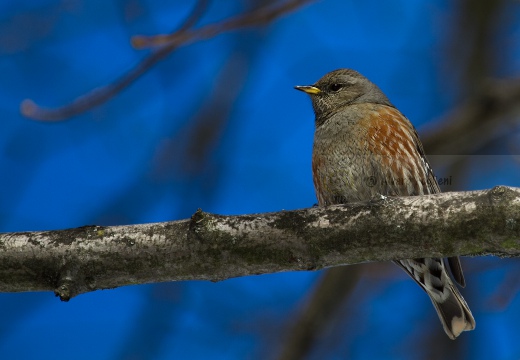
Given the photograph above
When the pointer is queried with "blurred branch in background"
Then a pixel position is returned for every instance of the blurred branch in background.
(476, 122)
(473, 52)
(472, 58)
(258, 17)
(185, 35)
(320, 309)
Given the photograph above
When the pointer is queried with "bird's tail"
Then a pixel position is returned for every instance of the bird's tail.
(451, 307)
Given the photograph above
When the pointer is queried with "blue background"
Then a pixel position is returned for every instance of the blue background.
(218, 126)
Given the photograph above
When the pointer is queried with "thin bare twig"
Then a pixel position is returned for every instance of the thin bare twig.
(183, 37)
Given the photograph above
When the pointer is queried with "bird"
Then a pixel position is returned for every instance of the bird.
(365, 148)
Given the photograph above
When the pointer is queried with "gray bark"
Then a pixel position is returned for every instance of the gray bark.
(213, 247)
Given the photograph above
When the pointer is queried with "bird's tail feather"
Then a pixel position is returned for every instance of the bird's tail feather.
(451, 307)
(454, 313)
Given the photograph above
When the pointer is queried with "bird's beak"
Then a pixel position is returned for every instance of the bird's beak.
(311, 90)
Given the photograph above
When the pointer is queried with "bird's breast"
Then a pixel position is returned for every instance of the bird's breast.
(369, 152)
(340, 164)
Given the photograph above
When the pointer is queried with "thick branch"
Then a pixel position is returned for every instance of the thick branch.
(213, 247)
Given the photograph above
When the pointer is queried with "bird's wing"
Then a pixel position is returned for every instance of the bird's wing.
(397, 143)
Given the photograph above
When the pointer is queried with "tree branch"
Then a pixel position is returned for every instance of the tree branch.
(214, 247)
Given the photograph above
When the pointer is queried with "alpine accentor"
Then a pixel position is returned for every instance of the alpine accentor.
(364, 148)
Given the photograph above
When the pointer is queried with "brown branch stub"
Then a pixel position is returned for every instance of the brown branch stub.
(214, 247)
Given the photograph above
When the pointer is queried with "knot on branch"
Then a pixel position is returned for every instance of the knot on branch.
(498, 190)
(67, 286)
(502, 194)
(198, 225)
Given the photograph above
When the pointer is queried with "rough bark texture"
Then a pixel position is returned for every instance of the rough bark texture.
(214, 247)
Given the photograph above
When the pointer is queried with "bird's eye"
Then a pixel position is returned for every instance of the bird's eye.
(335, 87)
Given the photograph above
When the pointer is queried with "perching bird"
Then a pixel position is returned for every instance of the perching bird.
(364, 148)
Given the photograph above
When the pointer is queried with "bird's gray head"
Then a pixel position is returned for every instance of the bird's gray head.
(341, 88)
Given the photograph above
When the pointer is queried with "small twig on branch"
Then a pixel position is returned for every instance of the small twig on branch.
(184, 36)
(213, 247)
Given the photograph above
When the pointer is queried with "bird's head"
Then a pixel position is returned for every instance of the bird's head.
(341, 88)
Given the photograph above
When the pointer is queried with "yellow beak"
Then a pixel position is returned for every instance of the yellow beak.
(311, 90)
